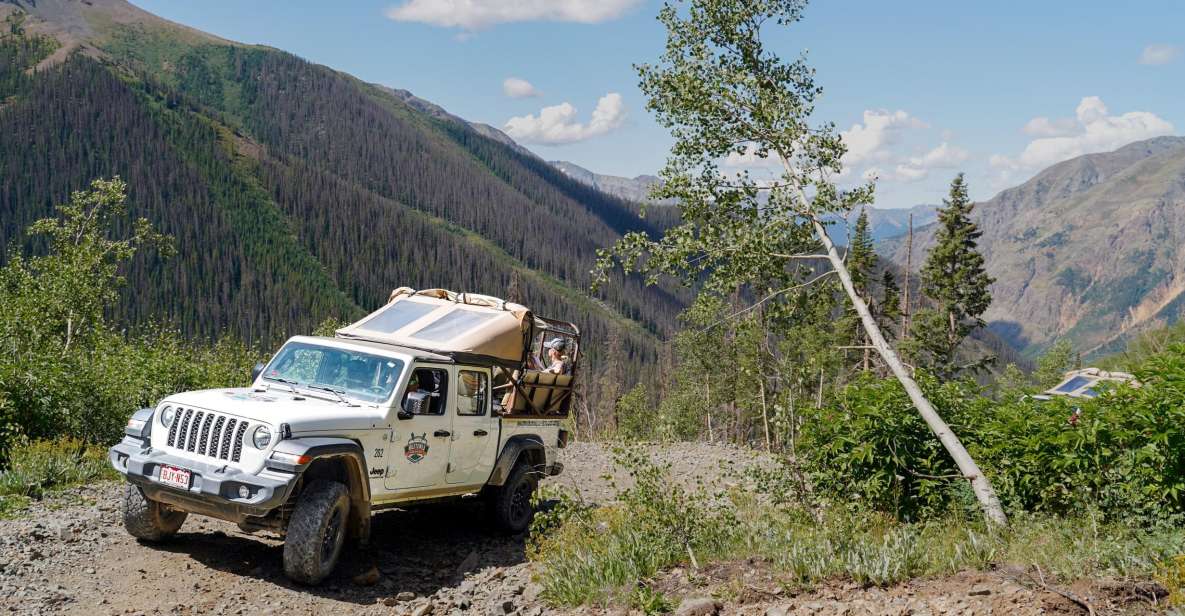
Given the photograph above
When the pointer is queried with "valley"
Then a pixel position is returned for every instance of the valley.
(1087, 250)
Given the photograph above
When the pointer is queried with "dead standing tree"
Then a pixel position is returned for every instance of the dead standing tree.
(726, 98)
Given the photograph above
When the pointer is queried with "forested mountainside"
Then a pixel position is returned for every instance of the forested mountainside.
(1089, 250)
(294, 192)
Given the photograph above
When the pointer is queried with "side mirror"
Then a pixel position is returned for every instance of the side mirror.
(256, 371)
(402, 414)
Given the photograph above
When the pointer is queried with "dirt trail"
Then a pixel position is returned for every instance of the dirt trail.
(71, 555)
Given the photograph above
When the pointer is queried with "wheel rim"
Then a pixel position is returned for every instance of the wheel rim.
(520, 503)
(330, 539)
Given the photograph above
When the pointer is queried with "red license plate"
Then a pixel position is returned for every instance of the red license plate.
(173, 476)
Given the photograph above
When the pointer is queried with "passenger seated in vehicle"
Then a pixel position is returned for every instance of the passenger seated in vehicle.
(560, 363)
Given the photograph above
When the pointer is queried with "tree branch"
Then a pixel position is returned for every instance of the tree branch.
(767, 298)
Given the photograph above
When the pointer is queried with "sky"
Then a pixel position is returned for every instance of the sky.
(921, 90)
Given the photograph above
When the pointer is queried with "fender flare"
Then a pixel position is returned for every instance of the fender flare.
(320, 448)
(358, 478)
(516, 447)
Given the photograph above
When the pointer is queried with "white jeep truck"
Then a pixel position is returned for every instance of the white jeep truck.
(437, 395)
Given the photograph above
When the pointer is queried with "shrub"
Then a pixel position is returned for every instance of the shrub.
(1122, 453)
(600, 555)
(635, 414)
(608, 555)
(870, 448)
(41, 467)
(90, 393)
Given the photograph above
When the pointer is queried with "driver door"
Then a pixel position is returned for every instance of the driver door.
(421, 445)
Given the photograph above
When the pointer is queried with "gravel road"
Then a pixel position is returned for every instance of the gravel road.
(70, 555)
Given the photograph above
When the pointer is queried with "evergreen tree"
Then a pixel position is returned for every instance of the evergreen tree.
(890, 303)
(862, 262)
(953, 277)
(861, 255)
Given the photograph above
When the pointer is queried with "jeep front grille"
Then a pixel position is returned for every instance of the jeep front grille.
(208, 434)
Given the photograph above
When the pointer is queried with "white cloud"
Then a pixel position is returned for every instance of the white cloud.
(945, 156)
(1044, 127)
(518, 88)
(915, 168)
(557, 124)
(881, 128)
(909, 173)
(1095, 130)
(1159, 53)
(478, 14)
(999, 161)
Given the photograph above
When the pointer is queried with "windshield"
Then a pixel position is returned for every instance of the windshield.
(351, 373)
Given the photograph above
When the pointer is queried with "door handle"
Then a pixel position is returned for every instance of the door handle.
(442, 433)
(480, 433)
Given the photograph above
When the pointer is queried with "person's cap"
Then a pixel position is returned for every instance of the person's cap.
(558, 344)
(414, 380)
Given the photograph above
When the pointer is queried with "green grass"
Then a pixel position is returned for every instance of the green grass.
(603, 556)
(41, 468)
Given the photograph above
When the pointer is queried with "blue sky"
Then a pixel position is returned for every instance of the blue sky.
(923, 89)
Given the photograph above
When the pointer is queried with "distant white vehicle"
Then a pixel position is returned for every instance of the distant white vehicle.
(437, 395)
(1082, 383)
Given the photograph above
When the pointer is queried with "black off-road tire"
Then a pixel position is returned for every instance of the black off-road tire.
(316, 532)
(510, 505)
(149, 520)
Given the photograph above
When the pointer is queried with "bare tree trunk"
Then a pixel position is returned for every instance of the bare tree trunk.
(69, 334)
(708, 387)
(980, 484)
(793, 428)
(905, 314)
(819, 393)
(764, 413)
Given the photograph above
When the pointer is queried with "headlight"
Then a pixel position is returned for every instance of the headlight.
(261, 437)
(167, 415)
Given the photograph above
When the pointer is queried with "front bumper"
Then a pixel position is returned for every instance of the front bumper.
(214, 488)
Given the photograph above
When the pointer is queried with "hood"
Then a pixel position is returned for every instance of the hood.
(304, 413)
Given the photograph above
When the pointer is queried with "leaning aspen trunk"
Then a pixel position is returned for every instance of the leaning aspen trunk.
(967, 466)
(764, 413)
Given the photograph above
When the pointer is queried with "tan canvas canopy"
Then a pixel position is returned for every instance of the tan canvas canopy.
(464, 325)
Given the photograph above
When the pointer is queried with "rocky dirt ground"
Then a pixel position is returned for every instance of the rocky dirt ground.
(69, 554)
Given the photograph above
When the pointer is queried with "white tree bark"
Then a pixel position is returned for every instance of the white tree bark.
(980, 484)
(984, 493)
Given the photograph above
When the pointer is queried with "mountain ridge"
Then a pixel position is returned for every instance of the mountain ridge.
(883, 222)
(1085, 250)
